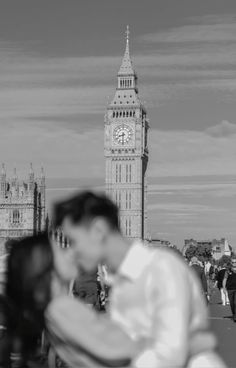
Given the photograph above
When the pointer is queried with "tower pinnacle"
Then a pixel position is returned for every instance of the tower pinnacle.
(42, 174)
(3, 172)
(14, 174)
(126, 65)
(127, 34)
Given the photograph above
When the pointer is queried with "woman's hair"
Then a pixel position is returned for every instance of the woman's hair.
(28, 287)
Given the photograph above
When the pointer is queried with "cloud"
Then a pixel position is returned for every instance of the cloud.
(213, 189)
(63, 154)
(215, 29)
(189, 153)
(180, 208)
(200, 55)
(222, 130)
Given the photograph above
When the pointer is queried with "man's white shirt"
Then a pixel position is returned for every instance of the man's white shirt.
(157, 299)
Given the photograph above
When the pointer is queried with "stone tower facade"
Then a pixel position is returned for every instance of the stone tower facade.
(22, 206)
(126, 151)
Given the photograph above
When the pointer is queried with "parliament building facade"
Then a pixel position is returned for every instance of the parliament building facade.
(22, 206)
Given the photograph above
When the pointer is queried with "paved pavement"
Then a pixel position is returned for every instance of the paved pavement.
(224, 328)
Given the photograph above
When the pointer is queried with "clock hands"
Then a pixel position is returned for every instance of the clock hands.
(123, 134)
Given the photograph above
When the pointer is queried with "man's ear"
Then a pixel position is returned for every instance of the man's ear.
(99, 229)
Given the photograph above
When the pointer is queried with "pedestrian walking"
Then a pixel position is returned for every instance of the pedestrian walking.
(229, 285)
(219, 283)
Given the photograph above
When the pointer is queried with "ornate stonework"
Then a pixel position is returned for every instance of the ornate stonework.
(126, 151)
(22, 206)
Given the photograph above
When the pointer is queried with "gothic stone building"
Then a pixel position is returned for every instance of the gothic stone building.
(126, 151)
(22, 206)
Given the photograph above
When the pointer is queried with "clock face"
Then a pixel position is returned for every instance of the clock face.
(122, 134)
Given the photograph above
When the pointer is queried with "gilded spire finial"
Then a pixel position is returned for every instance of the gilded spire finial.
(127, 32)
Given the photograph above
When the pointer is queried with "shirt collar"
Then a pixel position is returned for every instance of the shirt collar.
(135, 261)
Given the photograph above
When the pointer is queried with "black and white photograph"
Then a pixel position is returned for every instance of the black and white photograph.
(117, 183)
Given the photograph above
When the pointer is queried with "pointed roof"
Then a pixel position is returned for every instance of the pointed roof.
(42, 174)
(126, 67)
(31, 172)
(15, 174)
(3, 171)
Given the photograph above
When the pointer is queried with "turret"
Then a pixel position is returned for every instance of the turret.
(42, 193)
(3, 182)
(14, 184)
(31, 179)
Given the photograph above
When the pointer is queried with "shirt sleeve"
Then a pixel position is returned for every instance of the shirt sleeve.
(73, 324)
(169, 300)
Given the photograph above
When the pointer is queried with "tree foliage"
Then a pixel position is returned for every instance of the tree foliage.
(203, 252)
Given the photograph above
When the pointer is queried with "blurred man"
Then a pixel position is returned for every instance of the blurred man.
(155, 298)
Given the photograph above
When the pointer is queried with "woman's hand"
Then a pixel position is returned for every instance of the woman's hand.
(64, 263)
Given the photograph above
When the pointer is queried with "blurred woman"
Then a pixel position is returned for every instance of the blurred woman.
(39, 274)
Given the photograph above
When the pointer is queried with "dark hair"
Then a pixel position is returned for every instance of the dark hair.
(86, 206)
(28, 287)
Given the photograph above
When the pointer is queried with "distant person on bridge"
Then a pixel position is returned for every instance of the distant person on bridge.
(229, 285)
(219, 282)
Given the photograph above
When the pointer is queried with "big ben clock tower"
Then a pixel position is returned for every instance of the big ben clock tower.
(126, 151)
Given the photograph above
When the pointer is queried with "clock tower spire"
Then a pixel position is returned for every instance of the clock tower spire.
(126, 151)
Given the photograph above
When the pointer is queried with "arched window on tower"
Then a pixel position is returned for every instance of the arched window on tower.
(120, 114)
(129, 226)
(116, 173)
(16, 217)
(120, 200)
(119, 179)
(127, 114)
(114, 114)
(133, 113)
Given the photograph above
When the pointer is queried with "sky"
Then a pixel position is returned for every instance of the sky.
(58, 66)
